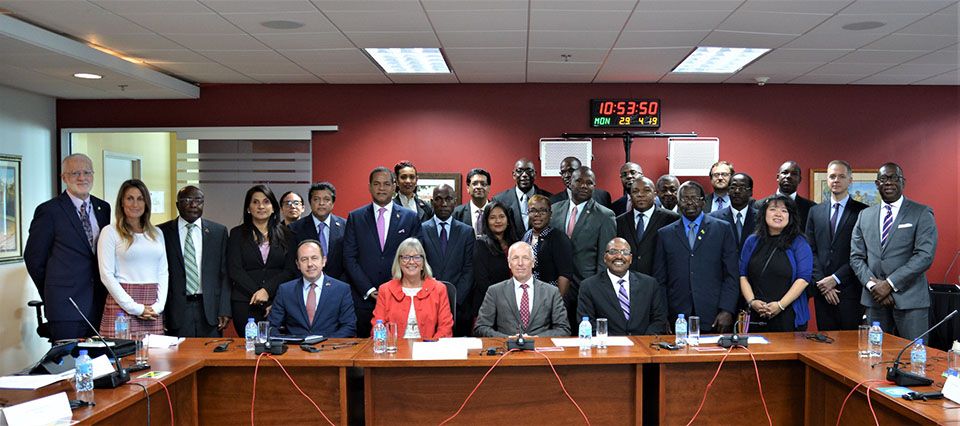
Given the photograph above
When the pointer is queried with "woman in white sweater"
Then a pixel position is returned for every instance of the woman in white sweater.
(133, 263)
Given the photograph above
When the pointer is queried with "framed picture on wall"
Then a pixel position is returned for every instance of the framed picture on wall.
(426, 182)
(863, 188)
(11, 237)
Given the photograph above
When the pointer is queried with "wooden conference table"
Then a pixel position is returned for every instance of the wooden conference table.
(804, 382)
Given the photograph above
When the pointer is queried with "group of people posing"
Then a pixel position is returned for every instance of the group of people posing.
(522, 262)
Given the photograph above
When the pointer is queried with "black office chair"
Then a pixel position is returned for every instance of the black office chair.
(43, 328)
(452, 294)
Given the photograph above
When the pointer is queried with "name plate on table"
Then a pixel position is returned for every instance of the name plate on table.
(49, 410)
(951, 389)
(438, 350)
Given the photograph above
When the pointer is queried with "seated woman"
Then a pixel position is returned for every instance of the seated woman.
(413, 299)
(776, 265)
(490, 252)
(133, 264)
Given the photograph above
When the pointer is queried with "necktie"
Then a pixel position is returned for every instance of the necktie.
(382, 227)
(572, 222)
(524, 307)
(190, 262)
(719, 203)
(524, 213)
(887, 224)
(739, 226)
(834, 218)
(443, 237)
(85, 221)
(692, 234)
(640, 227)
(629, 203)
(624, 299)
(478, 222)
(311, 302)
(323, 239)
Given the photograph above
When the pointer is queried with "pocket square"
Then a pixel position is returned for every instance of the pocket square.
(402, 231)
(904, 225)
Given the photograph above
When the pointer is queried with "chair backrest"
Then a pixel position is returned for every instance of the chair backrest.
(452, 294)
(43, 328)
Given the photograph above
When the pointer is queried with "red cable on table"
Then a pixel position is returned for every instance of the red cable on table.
(869, 403)
(253, 400)
(717, 373)
(169, 400)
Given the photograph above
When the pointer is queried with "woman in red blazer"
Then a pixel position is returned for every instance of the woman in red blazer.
(413, 284)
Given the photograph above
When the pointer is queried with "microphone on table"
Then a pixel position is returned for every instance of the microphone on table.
(115, 378)
(904, 378)
(521, 343)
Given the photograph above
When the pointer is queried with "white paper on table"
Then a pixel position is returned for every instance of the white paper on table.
(49, 410)
(35, 381)
(615, 341)
(753, 340)
(468, 342)
(161, 341)
(438, 350)
(951, 389)
(574, 342)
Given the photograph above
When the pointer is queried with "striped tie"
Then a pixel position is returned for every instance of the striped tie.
(624, 300)
(190, 262)
(887, 224)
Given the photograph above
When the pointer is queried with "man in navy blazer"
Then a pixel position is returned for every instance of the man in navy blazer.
(314, 304)
(696, 261)
(741, 213)
(60, 254)
(643, 240)
(516, 198)
(373, 234)
(322, 197)
(449, 246)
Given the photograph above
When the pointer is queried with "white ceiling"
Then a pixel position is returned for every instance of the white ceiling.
(485, 41)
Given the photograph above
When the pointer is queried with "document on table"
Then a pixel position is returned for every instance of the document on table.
(33, 382)
(161, 341)
(753, 340)
(49, 410)
(468, 342)
(575, 341)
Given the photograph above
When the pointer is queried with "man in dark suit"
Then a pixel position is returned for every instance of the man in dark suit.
(788, 180)
(198, 297)
(720, 173)
(667, 187)
(567, 167)
(741, 213)
(696, 261)
(325, 227)
(471, 212)
(374, 232)
(524, 173)
(639, 226)
(508, 310)
(315, 303)
(891, 250)
(407, 190)
(837, 293)
(629, 173)
(632, 302)
(448, 245)
(60, 254)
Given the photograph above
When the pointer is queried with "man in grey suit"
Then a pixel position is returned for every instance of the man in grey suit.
(198, 299)
(892, 247)
(522, 303)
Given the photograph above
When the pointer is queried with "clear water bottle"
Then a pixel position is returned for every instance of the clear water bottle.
(585, 333)
(681, 330)
(918, 358)
(876, 340)
(84, 377)
(379, 338)
(953, 360)
(250, 332)
(121, 326)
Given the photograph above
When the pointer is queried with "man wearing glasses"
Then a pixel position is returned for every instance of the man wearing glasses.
(60, 253)
(524, 173)
(198, 299)
(720, 173)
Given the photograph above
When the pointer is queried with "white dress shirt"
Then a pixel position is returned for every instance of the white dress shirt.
(306, 291)
(616, 285)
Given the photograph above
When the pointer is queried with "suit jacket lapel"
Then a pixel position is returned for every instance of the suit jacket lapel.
(430, 233)
(636, 295)
(613, 299)
(302, 306)
(681, 233)
(538, 301)
(74, 217)
(904, 210)
(700, 233)
(512, 300)
(584, 217)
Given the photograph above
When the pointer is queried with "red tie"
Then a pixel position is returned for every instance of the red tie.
(524, 307)
(572, 222)
(311, 302)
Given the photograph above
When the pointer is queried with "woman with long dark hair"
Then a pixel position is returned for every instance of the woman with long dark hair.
(776, 265)
(490, 252)
(261, 254)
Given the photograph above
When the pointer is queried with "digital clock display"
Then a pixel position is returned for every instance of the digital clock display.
(625, 113)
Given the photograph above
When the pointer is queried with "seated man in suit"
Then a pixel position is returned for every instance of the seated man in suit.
(741, 212)
(667, 187)
(632, 302)
(639, 226)
(407, 190)
(522, 303)
(629, 173)
(524, 173)
(696, 262)
(448, 245)
(567, 167)
(313, 304)
(324, 226)
(471, 212)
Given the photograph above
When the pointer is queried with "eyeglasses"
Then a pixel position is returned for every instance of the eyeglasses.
(690, 200)
(411, 259)
(537, 211)
(293, 203)
(528, 172)
(886, 179)
(720, 174)
(614, 252)
(190, 200)
(84, 173)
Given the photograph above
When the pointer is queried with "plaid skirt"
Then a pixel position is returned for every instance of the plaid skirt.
(141, 293)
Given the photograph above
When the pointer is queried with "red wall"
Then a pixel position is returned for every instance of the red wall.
(452, 128)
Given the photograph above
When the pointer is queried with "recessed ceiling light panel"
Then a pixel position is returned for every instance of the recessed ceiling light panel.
(413, 60)
(718, 60)
(88, 76)
(282, 25)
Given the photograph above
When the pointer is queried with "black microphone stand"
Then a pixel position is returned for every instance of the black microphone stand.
(114, 379)
(904, 378)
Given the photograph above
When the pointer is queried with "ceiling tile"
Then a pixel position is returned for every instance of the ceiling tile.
(744, 77)
(492, 78)
(394, 39)
(912, 42)
(131, 42)
(660, 21)
(806, 6)
(202, 42)
(950, 78)
(353, 78)
(644, 6)
(327, 56)
(272, 6)
(562, 68)
(946, 56)
(694, 78)
(938, 24)
(123, 7)
(611, 75)
(772, 22)
(456, 39)
(580, 20)
(803, 55)
(926, 70)
(631, 39)
(583, 5)
(340, 68)
(559, 78)
(228, 57)
(441, 5)
(510, 54)
(825, 79)
(490, 67)
(893, 22)
(541, 54)
(331, 40)
(741, 39)
(367, 5)
(851, 69)
(890, 79)
(168, 55)
(484, 20)
(279, 67)
(767, 68)
(573, 39)
(392, 20)
(286, 78)
(423, 78)
(313, 22)
(646, 58)
(833, 41)
(896, 6)
(184, 23)
(863, 56)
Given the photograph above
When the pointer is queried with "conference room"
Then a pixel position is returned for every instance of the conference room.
(224, 95)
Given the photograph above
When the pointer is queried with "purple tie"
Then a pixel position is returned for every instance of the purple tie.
(887, 224)
(524, 307)
(478, 222)
(624, 300)
(833, 219)
(382, 227)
